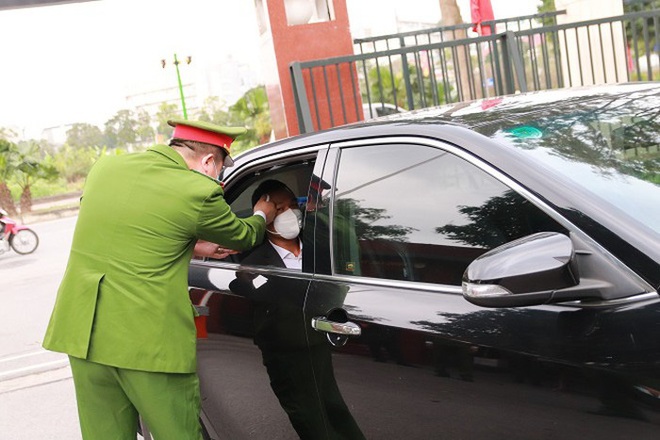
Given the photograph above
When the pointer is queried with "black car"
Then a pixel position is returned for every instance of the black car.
(484, 270)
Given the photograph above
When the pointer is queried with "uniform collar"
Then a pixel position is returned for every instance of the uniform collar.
(170, 153)
(174, 156)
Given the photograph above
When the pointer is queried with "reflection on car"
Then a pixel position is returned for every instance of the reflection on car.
(371, 110)
(486, 270)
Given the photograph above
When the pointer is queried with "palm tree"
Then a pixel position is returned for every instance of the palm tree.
(8, 157)
(383, 87)
(30, 167)
(252, 110)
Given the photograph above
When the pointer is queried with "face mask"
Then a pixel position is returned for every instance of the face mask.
(287, 224)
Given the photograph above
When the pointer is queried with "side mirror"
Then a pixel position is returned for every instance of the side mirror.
(528, 271)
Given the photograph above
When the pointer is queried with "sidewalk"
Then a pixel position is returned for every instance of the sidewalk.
(44, 411)
(51, 208)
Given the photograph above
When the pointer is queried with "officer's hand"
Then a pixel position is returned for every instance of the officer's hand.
(268, 207)
(212, 250)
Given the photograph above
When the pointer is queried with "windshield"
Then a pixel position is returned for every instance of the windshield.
(606, 143)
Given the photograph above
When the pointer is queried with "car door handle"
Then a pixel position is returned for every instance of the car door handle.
(323, 324)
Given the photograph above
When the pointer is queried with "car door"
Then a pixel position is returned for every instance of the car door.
(254, 364)
(398, 221)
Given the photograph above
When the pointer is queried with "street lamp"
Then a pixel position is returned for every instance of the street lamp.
(178, 77)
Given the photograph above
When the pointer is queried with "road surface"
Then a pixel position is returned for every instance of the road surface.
(37, 399)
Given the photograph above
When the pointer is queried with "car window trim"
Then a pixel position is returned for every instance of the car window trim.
(329, 175)
(265, 162)
(261, 270)
(633, 301)
(253, 168)
(394, 284)
(630, 301)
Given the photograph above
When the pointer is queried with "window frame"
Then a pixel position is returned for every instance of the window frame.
(330, 174)
(246, 173)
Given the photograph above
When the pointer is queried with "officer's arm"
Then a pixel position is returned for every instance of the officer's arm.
(216, 223)
(212, 250)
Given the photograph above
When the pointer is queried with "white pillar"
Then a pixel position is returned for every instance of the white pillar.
(592, 54)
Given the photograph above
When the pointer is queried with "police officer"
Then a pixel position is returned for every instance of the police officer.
(123, 314)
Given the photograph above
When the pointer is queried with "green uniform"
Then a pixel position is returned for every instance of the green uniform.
(123, 301)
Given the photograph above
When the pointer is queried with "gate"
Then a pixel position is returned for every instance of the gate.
(610, 50)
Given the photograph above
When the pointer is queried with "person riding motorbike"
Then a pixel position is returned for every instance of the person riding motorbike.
(2, 224)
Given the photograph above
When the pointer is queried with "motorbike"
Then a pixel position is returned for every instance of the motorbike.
(20, 238)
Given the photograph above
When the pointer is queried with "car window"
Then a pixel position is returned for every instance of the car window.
(418, 213)
(296, 175)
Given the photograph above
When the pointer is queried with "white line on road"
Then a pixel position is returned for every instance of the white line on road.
(33, 368)
(21, 356)
(50, 376)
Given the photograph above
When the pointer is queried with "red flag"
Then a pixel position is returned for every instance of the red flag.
(481, 10)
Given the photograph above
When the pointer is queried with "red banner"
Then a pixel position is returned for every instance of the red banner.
(481, 10)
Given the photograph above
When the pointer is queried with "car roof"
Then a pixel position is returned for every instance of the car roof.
(454, 121)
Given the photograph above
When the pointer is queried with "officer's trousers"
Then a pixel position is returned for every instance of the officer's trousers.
(110, 399)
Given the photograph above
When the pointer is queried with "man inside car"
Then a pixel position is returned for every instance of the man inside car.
(308, 393)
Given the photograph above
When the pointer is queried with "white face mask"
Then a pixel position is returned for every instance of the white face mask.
(287, 224)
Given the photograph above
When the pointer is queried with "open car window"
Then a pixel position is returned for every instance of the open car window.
(295, 174)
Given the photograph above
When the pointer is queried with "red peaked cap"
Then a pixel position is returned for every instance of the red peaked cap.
(207, 133)
(197, 134)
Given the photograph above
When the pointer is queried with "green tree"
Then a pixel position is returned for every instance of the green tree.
(547, 6)
(31, 165)
(640, 5)
(84, 135)
(251, 110)
(165, 113)
(213, 111)
(145, 133)
(383, 87)
(427, 92)
(8, 163)
(73, 164)
(121, 130)
(7, 133)
(635, 29)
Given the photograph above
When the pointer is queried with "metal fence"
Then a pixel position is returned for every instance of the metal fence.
(610, 50)
(346, 89)
(450, 33)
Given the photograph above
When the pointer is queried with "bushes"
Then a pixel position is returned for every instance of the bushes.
(27, 172)
(73, 164)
